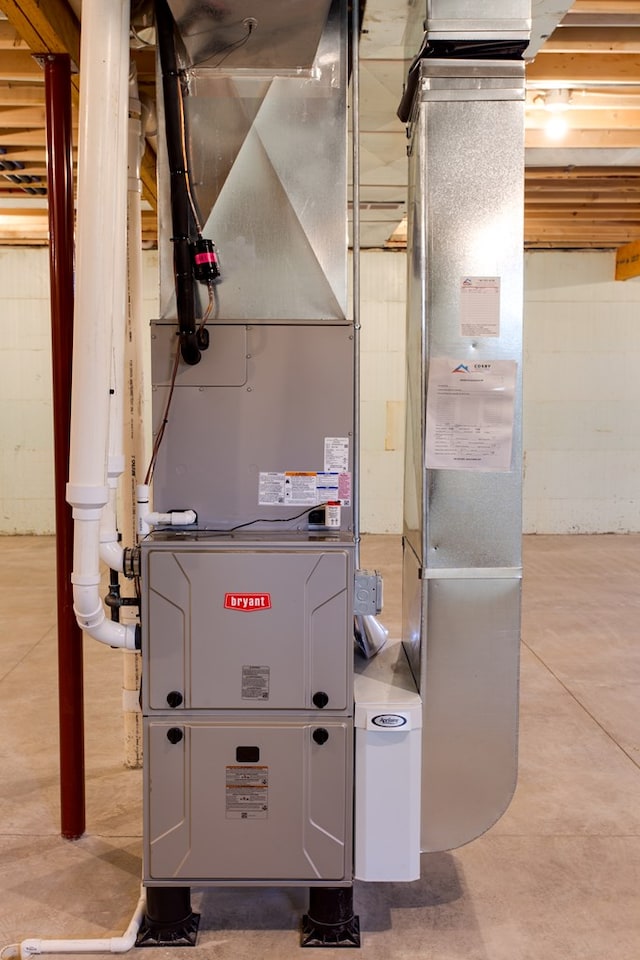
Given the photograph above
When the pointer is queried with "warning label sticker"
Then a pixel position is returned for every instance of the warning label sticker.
(304, 488)
(271, 488)
(344, 489)
(300, 489)
(247, 793)
(255, 682)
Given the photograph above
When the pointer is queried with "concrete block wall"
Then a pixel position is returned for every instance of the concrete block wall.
(26, 452)
(582, 393)
(26, 427)
(382, 390)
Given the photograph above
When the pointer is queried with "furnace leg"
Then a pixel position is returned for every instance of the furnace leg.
(169, 920)
(330, 921)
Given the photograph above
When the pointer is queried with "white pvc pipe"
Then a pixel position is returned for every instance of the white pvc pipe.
(147, 519)
(33, 947)
(110, 547)
(137, 331)
(100, 239)
(111, 552)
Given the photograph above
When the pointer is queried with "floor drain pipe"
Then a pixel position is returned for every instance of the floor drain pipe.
(102, 150)
(34, 947)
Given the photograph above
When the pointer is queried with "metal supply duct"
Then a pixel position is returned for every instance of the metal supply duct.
(462, 526)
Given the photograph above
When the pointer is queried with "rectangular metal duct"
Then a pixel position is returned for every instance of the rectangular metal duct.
(462, 527)
(470, 20)
(251, 34)
(267, 140)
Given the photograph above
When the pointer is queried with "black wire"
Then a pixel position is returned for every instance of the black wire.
(275, 520)
(165, 418)
(230, 47)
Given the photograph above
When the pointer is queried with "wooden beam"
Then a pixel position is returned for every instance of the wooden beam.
(53, 28)
(585, 139)
(26, 138)
(148, 176)
(20, 65)
(25, 154)
(586, 119)
(575, 213)
(569, 68)
(588, 40)
(628, 261)
(22, 116)
(577, 173)
(10, 39)
(595, 188)
(606, 6)
(19, 94)
(49, 27)
(551, 199)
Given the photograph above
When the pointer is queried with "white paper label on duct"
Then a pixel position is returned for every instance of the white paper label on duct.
(480, 307)
(336, 454)
(470, 414)
(247, 793)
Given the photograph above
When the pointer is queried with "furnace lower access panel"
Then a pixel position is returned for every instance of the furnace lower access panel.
(214, 815)
(248, 708)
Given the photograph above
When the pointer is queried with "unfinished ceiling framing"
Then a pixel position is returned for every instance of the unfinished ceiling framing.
(582, 189)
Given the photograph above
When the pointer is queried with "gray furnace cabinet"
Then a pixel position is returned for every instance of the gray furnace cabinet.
(248, 710)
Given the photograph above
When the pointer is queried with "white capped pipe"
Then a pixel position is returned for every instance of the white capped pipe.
(100, 242)
(147, 518)
(110, 547)
(33, 947)
(111, 552)
(103, 47)
(137, 329)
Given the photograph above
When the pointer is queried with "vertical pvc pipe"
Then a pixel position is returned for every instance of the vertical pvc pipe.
(57, 71)
(355, 253)
(100, 239)
(135, 451)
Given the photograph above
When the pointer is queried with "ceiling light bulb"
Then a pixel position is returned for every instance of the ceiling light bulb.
(556, 127)
(557, 100)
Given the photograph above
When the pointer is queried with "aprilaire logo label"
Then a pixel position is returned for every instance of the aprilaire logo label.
(247, 601)
(389, 720)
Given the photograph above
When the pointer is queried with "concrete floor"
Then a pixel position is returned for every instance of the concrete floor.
(557, 878)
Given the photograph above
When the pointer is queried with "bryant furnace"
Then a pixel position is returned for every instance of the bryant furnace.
(268, 759)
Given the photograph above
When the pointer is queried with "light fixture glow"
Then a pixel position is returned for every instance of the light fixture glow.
(556, 126)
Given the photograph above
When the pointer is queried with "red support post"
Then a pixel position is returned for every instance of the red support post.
(57, 69)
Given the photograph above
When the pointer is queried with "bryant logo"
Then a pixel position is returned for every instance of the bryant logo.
(247, 601)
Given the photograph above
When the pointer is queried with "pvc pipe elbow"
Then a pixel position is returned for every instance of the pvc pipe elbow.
(92, 619)
(111, 553)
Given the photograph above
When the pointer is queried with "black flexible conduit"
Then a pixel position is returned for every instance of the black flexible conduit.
(180, 210)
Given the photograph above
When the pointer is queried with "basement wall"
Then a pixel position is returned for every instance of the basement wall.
(582, 392)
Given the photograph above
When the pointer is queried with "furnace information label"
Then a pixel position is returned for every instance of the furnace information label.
(255, 682)
(336, 454)
(247, 793)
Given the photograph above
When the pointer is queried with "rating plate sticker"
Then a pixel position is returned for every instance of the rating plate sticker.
(255, 682)
(247, 793)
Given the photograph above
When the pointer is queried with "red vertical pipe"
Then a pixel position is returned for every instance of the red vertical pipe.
(61, 216)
